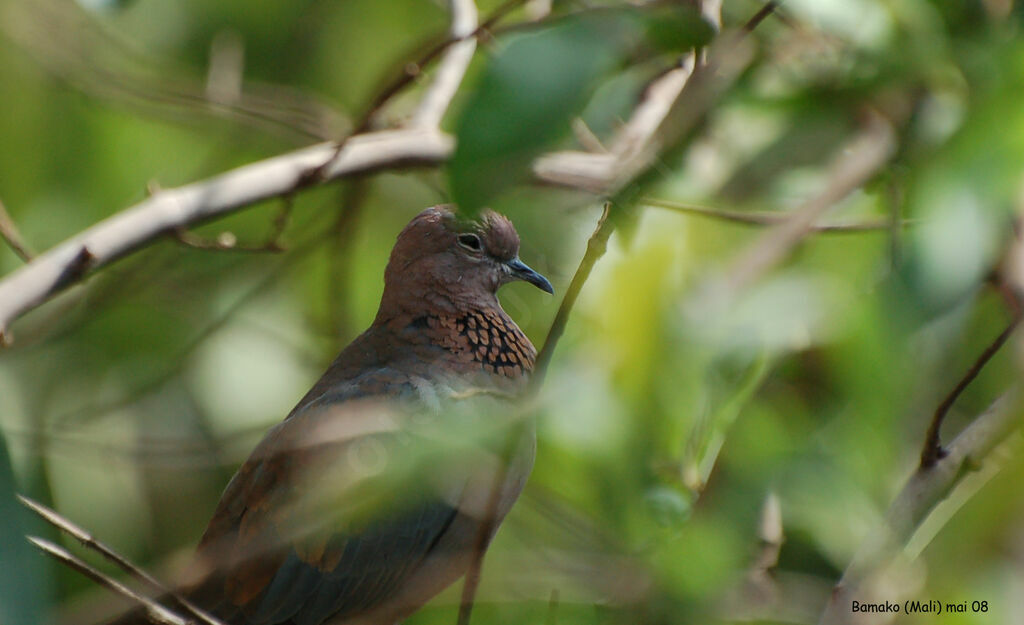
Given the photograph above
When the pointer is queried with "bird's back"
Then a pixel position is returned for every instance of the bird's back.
(331, 516)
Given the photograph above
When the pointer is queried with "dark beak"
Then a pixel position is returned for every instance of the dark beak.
(522, 271)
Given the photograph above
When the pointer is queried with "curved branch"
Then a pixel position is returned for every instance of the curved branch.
(604, 172)
(453, 67)
(116, 236)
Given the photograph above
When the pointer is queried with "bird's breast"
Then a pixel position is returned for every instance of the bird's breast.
(486, 340)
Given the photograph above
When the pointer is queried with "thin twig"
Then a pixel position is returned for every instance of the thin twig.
(87, 539)
(9, 233)
(712, 12)
(155, 612)
(659, 98)
(228, 242)
(488, 525)
(411, 71)
(933, 451)
(458, 52)
(586, 137)
(629, 153)
(857, 162)
(770, 533)
(596, 247)
(768, 9)
(764, 218)
(225, 241)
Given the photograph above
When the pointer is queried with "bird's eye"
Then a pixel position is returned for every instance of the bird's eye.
(470, 242)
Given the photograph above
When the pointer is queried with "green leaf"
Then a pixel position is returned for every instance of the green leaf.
(23, 583)
(677, 28)
(533, 87)
(525, 100)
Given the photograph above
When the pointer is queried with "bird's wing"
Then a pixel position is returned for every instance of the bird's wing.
(328, 516)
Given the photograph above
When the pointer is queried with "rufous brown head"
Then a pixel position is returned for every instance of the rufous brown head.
(452, 264)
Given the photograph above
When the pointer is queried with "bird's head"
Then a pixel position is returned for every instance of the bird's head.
(451, 263)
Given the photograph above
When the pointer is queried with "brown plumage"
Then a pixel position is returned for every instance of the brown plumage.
(310, 529)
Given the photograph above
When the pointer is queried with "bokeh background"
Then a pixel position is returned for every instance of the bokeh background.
(669, 438)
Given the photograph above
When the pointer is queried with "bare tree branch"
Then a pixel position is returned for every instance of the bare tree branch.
(410, 71)
(919, 496)
(87, 539)
(169, 209)
(458, 52)
(155, 612)
(9, 233)
(658, 121)
(452, 68)
(603, 172)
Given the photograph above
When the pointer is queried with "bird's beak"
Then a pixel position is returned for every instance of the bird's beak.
(522, 271)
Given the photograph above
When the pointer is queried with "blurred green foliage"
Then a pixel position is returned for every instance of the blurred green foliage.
(128, 402)
(536, 83)
(529, 92)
